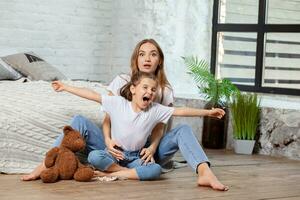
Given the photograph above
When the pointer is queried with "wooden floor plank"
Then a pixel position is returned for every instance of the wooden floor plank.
(249, 177)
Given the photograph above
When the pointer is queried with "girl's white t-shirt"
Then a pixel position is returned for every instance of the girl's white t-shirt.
(130, 129)
(120, 80)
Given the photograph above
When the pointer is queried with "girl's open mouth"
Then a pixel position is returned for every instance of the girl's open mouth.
(146, 99)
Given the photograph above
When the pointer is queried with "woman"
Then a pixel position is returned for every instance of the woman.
(147, 57)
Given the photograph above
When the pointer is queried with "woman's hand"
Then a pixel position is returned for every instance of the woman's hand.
(147, 155)
(58, 86)
(216, 112)
(112, 148)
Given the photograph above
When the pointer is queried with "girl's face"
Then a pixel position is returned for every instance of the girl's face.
(148, 58)
(144, 93)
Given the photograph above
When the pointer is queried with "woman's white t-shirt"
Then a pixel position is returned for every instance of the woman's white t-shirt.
(130, 129)
(166, 98)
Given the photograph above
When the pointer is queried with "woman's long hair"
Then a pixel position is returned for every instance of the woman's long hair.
(135, 80)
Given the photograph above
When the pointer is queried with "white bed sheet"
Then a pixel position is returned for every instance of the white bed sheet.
(32, 115)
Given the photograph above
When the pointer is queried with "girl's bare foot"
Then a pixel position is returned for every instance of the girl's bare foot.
(208, 179)
(35, 174)
(122, 174)
(98, 173)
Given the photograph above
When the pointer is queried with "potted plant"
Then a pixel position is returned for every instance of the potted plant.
(245, 118)
(218, 93)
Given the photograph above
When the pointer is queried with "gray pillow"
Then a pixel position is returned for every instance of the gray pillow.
(7, 72)
(35, 68)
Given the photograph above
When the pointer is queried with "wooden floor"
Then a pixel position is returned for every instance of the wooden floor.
(249, 177)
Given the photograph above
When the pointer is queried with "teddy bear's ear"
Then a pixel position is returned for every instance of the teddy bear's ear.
(67, 129)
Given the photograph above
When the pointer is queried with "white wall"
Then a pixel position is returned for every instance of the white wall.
(73, 35)
(181, 27)
(93, 39)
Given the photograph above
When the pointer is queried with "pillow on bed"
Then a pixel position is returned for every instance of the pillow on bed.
(7, 72)
(35, 68)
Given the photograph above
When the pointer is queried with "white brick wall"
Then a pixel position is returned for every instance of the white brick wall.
(181, 27)
(94, 39)
(72, 35)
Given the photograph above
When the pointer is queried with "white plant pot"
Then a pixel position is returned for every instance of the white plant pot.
(243, 146)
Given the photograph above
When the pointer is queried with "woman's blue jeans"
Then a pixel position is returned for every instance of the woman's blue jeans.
(180, 138)
(91, 133)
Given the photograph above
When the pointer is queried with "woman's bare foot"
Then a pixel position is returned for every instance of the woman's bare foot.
(35, 174)
(30, 177)
(208, 179)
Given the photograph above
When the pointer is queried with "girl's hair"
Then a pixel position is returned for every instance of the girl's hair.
(159, 72)
(135, 80)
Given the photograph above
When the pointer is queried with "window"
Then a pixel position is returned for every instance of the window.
(256, 44)
(236, 57)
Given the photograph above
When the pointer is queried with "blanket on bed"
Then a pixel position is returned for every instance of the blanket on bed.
(32, 115)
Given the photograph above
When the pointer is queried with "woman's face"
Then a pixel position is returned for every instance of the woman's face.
(148, 58)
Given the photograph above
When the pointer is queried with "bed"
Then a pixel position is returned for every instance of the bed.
(33, 115)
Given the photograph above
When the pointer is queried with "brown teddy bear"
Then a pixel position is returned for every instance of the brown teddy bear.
(62, 163)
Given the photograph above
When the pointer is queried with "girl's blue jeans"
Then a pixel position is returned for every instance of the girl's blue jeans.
(102, 160)
(180, 138)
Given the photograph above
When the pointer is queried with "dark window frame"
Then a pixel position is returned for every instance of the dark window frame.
(260, 28)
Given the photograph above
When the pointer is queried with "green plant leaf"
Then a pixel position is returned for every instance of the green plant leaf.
(217, 91)
(199, 70)
(245, 115)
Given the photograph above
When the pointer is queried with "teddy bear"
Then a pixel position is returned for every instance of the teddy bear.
(62, 163)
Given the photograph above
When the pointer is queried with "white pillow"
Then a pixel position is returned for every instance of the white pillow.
(7, 72)
(34, 67)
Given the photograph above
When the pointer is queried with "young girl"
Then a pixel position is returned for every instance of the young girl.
(132, 120)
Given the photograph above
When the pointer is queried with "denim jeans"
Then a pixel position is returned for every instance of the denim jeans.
(91, 133)
(102, 160)
(180, 138)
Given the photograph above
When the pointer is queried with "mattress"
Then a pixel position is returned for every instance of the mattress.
(32, 115)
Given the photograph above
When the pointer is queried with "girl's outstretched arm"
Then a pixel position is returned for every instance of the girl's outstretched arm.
(194, 112)
(82, 92)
